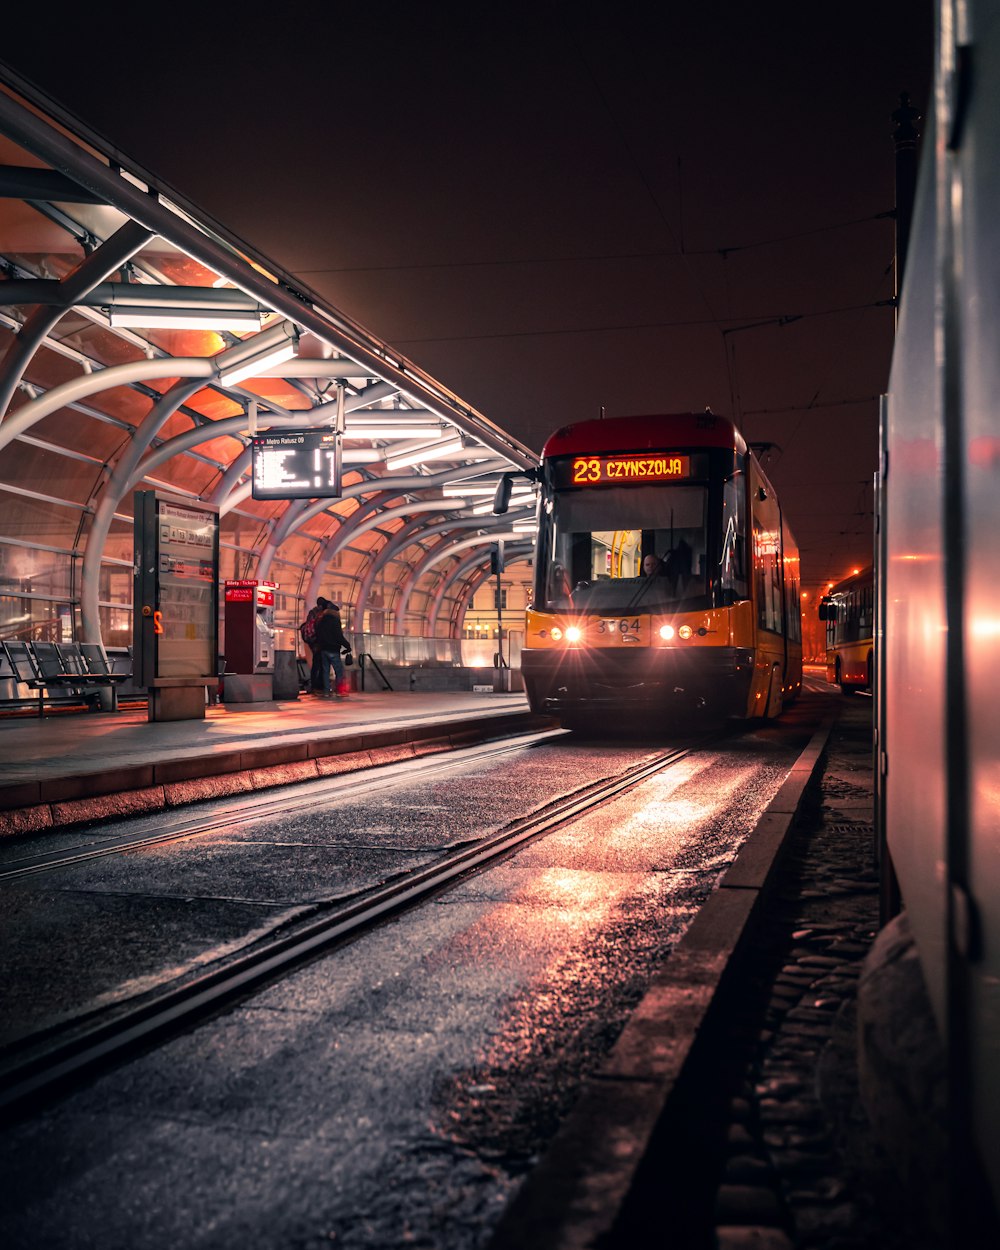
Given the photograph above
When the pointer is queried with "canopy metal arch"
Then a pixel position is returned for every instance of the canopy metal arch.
(493, 529)
(133, 465)
(513, 552)
(150, 208)
(82, 169)
(408, 536)
(392, 487)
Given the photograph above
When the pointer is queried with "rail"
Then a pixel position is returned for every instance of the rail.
(366, 660)
(52, 1061)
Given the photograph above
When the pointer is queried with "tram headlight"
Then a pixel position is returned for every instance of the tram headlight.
(666, 632)
(555, 633)
(685, 632)
(573, 633)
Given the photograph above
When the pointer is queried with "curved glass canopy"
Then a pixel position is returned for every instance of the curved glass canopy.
(142, 346)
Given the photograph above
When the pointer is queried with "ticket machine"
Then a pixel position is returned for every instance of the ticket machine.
(249, 641)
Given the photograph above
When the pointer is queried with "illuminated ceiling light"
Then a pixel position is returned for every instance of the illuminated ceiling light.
(131, 317)
(523, 527)
(462, 492)
(253, 356)
(159, 305)
(451, 447)
(516, 501)
(393, 431)
(365, 455)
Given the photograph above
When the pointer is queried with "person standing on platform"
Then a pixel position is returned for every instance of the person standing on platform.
(308, 631)
(332, 642)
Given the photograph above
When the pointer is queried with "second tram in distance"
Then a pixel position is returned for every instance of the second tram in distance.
(666, 577)
(849, 611)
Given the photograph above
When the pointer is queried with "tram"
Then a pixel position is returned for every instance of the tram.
(666, 577)
(849, 612)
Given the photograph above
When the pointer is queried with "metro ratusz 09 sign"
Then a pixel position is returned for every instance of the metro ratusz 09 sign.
(295, 464)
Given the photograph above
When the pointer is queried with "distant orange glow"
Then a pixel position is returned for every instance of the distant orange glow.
(855, 572)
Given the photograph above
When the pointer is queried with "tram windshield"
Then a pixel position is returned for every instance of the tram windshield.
(625, 549)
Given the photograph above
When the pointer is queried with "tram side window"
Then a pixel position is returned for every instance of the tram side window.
(767, 564)
(732, 566)
(849, 629)
(793, 608)
(850, 616)
(865, 616)
(854, 616)
(768, 589)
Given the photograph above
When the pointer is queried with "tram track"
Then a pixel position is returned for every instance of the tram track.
(51, 1061)
(250, 808)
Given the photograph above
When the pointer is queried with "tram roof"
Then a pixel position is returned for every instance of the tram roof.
(862, 577)
(652, 432)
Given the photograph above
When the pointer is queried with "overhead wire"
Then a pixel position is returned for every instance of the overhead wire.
(784, 319)
(588, 258)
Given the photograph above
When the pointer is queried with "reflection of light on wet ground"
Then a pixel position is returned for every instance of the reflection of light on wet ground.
(575, 923)
(673, 812)
(579, 896)
(661, 815)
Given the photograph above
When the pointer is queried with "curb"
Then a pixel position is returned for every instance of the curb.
(581, 1194)
(35, 807)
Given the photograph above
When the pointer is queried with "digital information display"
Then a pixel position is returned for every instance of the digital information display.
(295, 464)
(654, 466)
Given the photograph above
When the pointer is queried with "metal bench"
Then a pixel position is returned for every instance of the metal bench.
(6, 668)
(77, 671)
(93, 662)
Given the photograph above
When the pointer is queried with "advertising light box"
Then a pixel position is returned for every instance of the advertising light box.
(295, 464)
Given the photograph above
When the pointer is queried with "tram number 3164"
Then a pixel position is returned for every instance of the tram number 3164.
(622, 626)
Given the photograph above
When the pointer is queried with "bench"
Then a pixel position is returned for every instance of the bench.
(77, 671)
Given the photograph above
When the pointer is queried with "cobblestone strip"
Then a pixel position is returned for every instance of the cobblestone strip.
(801, 1170)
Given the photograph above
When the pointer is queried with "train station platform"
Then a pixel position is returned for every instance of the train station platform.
(65, 768)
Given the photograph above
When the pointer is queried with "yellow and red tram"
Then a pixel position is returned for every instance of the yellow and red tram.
(849, 611)
(666, 576)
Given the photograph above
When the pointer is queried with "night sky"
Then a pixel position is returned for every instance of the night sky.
(556, 208)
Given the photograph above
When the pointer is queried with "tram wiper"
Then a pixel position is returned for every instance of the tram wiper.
(640, 593)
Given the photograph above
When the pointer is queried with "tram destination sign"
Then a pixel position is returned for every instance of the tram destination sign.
(623, 470)
(295, 464)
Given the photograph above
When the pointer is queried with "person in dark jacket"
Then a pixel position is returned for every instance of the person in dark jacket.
(332, 642)
(308, 632)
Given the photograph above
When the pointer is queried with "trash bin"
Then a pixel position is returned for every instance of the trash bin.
(286, 675)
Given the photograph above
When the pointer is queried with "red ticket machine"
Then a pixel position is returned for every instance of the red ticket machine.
(249, 641)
